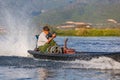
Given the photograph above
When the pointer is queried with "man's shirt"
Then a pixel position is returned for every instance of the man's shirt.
(42, 39)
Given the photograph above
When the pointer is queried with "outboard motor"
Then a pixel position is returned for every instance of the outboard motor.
(67, 50)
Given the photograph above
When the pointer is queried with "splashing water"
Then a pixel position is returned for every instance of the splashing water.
(95, 63)
(16, 20)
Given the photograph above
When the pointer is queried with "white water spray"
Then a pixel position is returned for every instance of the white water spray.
(95, 63)
(19, 33)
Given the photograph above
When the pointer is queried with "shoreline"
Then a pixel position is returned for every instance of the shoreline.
(90, 32)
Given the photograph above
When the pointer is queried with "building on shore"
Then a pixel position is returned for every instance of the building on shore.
(2, 30)
(74, 25)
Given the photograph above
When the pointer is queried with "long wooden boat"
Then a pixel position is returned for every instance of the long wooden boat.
(77, 55)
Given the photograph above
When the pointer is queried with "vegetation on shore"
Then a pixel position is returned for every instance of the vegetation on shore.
(89, 32)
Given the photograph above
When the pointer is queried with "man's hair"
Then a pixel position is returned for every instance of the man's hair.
(46, 28)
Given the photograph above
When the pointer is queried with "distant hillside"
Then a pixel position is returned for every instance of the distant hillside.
(27, 8)
(94, 11)
(59, 11)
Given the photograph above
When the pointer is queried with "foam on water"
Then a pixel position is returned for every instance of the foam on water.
(95, 63)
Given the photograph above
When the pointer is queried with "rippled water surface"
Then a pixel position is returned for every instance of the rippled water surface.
(29, 68)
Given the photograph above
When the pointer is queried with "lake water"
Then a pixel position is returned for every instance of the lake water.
(29, 68)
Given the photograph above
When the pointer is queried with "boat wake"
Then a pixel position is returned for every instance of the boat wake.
(95, 63)
(104, 63)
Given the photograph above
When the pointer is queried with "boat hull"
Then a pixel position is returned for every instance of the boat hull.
(77, 55)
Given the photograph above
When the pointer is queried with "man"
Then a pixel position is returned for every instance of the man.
(44, 41)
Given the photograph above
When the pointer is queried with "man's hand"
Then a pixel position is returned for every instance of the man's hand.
(54, 35)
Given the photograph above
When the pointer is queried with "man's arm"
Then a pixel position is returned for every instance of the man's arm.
(50, 39)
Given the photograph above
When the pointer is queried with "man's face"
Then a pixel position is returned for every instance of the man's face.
(46, 32)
